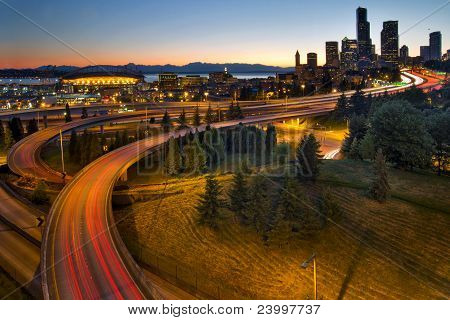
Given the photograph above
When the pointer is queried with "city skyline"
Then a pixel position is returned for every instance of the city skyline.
(201, 32)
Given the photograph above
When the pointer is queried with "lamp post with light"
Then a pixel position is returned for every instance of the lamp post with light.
(303, 90)
(305, 265)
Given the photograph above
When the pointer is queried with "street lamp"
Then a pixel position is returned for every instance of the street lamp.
(303, 90)
(206, 96)
(305, 265)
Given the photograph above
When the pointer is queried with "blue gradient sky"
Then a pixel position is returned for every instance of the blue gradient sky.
(179, 32)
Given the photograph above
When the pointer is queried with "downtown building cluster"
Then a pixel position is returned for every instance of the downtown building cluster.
(358, 62)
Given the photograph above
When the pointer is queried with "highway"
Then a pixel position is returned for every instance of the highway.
(83, 256)
(24, 157)
(20, 258)
(19, 242)
(17, 213)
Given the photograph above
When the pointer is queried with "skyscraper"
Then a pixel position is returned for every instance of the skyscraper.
(389, 42)
(312, 60)
(332, 53)
(363, 34)
(404, 54)
(435, 45)
(297, 59)
(349, 54)
(425, 53)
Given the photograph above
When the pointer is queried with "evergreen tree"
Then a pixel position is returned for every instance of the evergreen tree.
(308, 158)
(238, 195)
(8, 139)
(166, 122)
(310, 221)
(379, 188)
(219, 145)
(173, 158)
(67, 115)
(259, 205)
(209, 117)
(358, 104)
(195, 157)
(83, 149)
(357, 130)
(84, 113)
(125, 139)
(399, 130)
(73, 146)
(197, 120)
(289, 206)
(439, 128)
(95, 147)
(16, 127)
(117, 141)
(32, 126)
(329, 206)
(271, 138)
(367, 148)
(39, 194)
(354, 150)
(210, 204)
(182, 120)
(342, 108)
(214, 147)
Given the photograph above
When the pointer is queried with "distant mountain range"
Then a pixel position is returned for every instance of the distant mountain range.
(195, 67)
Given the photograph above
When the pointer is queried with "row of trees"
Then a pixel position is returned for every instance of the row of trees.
(198, 151)
(366, 105)
(409, 138)
(234, 112)
(277, 212)
(14, 131)
(85, 148)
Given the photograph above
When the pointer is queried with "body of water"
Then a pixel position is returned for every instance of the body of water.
(244, 76)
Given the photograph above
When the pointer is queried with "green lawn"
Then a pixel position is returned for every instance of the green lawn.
(395, 250)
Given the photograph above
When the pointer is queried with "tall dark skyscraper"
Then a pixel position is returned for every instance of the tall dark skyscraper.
(297, 59)
(332, 53)
(363, 34)
(389, 42)
(435, 45)
(349, 54)
(312, 60)
(425, 53)
(404, 54)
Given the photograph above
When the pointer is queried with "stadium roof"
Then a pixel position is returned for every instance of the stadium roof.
(103, 71)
